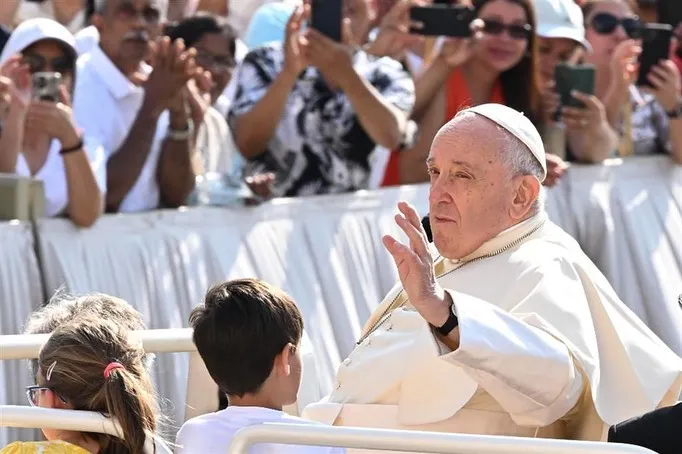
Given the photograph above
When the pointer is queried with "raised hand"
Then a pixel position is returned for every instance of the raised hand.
(415, 267)
(294, 59)
(332, 59)
(173, 66)
(17, 83)
(55, 119)
(588, 118)
(665, 78)
(393, 37)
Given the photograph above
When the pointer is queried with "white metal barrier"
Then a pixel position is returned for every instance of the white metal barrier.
(202, 392)
(414, 441)
(48, 418)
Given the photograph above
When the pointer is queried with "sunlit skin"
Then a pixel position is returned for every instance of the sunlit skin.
(126, 28)
(216, 47)
(553, 51)
(604, 45)
(501, 52)
(473, 196)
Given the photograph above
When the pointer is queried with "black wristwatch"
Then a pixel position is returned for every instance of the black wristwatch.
(451, 323)
(676, 112)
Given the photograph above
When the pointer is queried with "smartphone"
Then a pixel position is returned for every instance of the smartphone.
(655, 47)
(442, 20)
(573, 77)
(327, 18)
(46, 86)
(670, 12)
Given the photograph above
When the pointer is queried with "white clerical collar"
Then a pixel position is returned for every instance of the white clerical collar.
(506, 238)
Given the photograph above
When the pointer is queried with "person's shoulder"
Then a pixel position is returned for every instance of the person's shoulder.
(270, 52)
(196, 432)
(35, 447)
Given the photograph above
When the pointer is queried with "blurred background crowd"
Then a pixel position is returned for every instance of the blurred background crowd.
(134, 105)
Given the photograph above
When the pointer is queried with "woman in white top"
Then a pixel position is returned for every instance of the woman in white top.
(39, 137)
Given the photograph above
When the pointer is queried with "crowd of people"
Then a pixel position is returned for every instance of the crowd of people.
(146, 99)
(246, 94)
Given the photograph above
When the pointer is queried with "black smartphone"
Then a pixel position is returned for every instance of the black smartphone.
(655, 47)
(326, 16)
(669, 12)
(573, 77)
(442, 20)
(46, 86)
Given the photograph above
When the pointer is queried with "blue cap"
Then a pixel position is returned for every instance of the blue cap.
(268, 24)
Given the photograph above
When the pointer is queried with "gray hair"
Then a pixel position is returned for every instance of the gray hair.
(101, 6)
(516, 157)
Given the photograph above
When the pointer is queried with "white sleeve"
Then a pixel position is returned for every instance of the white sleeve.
(529, 372)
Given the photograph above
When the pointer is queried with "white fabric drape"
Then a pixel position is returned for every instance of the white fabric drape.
(21, 292)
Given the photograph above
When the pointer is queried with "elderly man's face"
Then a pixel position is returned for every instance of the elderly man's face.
(473, 194)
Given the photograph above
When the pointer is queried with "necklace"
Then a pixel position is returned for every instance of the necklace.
(393, 306)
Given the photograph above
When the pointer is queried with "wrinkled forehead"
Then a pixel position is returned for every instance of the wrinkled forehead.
(470, 137)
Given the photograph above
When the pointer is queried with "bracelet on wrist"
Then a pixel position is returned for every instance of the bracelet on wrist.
(78, 146)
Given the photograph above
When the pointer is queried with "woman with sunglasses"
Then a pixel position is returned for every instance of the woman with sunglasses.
(90, 364)
(647, 119)
(561, 36)
(498, 64)
(39, 137)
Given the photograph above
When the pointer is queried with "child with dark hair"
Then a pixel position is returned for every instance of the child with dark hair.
(248, 333)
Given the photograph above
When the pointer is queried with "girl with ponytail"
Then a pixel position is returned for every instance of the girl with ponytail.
(91, 364)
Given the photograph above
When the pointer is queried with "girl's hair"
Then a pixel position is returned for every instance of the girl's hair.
(520, 84)
(72, 364)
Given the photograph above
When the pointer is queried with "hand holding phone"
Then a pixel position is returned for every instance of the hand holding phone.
(46, 86)
(327, 18)
(656, 40)
(573, 78)
(442, 20)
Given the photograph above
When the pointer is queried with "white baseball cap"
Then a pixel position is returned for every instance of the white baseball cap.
(560, 19)
(516, 124)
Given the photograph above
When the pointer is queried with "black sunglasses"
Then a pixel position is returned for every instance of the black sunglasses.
(37, 63)
(605, 23)
(495, 27)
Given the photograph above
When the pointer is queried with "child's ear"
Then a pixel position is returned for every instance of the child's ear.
(285, 359)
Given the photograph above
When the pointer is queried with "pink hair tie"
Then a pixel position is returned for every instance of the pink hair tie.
(112, 366)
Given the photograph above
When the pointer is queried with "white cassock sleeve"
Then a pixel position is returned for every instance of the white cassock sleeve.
(529, 372)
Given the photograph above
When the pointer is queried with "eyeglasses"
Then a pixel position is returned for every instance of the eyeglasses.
(606, 23)
(209, 61)
(495, 27)
(32, 394)
(38, 63)
(128, 12)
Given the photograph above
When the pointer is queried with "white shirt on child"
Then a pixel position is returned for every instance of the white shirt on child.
(213, 432)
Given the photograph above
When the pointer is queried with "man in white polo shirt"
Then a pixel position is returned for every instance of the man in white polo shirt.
(137, 112)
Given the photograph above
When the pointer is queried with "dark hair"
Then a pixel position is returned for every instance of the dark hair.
(72, 365)
(240, 329)
(520, 84)
(192, 29)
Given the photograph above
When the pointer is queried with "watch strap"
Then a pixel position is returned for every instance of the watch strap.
(451, 323)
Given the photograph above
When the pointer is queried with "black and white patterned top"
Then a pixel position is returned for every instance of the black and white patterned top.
(319, 146)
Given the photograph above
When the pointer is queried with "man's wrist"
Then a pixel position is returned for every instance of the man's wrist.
(440, 309)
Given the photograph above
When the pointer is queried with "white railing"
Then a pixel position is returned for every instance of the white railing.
(202, 392)
(76, 420)
(153, 341)
(413, 441)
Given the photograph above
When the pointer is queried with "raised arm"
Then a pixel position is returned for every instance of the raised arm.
(254, 123)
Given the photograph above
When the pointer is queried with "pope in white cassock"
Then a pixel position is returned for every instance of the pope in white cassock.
(503, 326)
